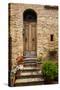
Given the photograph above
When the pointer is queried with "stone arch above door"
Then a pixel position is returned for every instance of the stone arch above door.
(30, 14)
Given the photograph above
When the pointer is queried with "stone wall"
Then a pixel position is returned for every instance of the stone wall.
(47, 23)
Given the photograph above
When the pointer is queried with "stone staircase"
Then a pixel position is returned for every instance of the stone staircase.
(30, 74)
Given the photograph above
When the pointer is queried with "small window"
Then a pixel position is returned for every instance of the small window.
(51, 37)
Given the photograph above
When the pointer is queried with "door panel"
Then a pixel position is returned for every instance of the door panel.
(29, 39)
(26, 34)
(33, 31)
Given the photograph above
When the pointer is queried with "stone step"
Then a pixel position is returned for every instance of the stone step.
(30, 58)
(29, 73)
(29, 68)
(28, 76)
(31, 61)
(30, 64)
(26, 73)
(28, 81)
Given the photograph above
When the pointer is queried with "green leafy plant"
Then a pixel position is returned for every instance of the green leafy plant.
(49, 70)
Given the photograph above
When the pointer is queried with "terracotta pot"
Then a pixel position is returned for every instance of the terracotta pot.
(19, 60)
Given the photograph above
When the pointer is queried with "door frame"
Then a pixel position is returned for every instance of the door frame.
(29, 15)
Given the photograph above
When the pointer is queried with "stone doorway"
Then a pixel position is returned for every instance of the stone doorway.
(29, 33)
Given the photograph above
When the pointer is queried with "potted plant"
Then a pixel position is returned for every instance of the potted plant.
(49, 72)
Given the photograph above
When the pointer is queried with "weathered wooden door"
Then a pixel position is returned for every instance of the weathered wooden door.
(29, 37)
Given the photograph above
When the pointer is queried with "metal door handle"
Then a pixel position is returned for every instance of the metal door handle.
(25, 39)
(33, 39)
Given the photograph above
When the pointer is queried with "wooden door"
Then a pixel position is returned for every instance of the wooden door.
(29, 37)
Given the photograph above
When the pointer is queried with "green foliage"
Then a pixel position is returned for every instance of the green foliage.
(50, 70)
